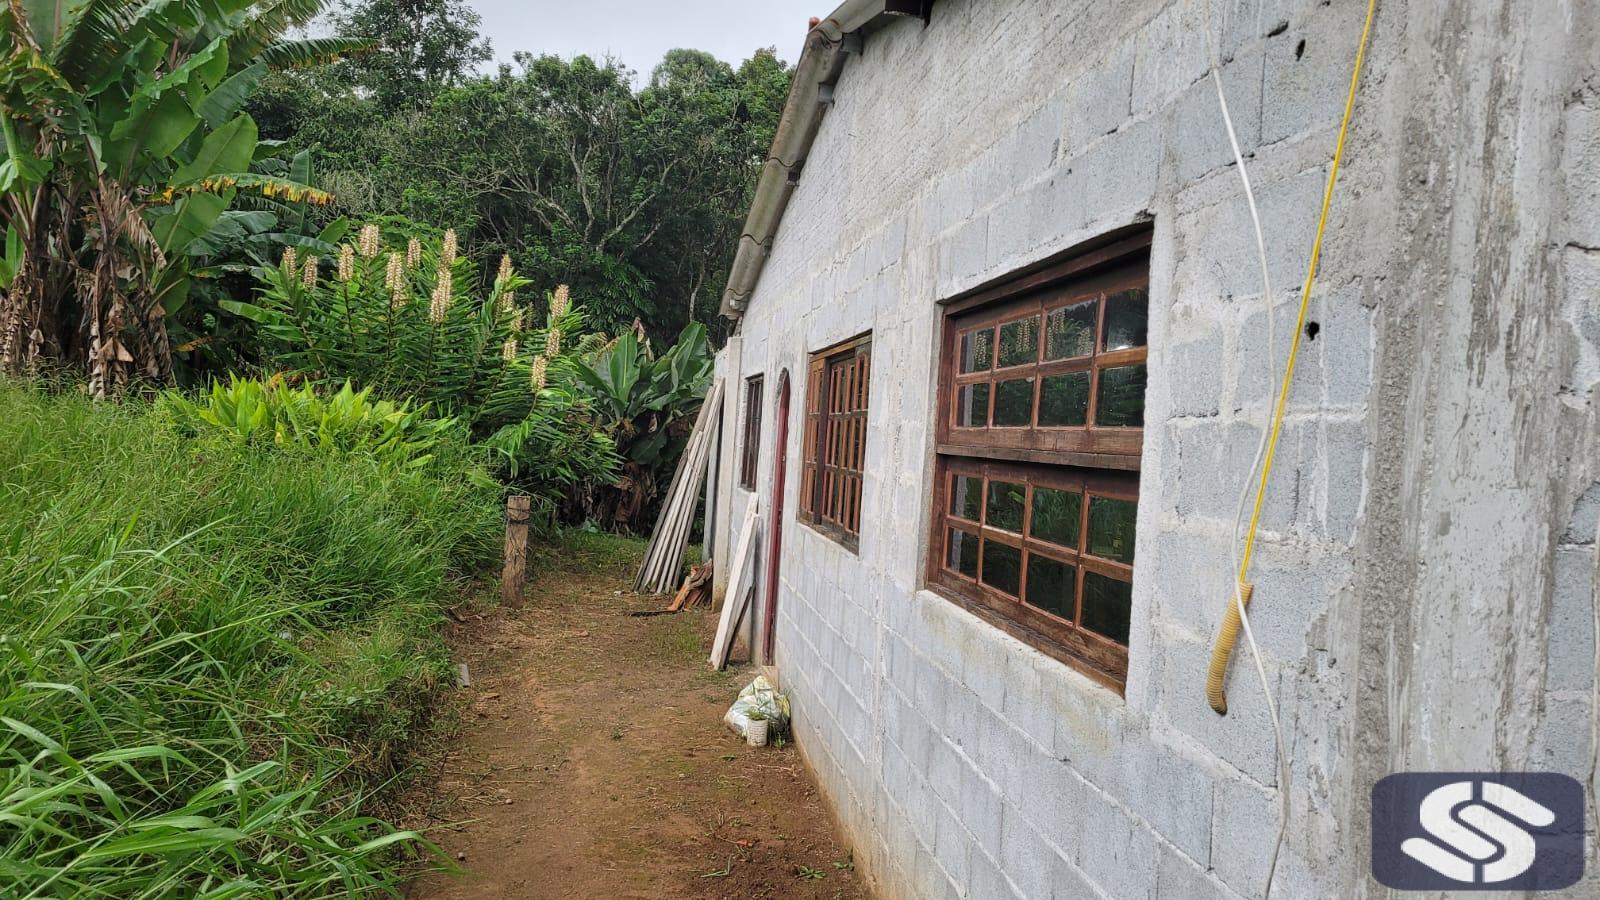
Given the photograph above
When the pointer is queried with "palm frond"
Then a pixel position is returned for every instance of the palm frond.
(300, 54)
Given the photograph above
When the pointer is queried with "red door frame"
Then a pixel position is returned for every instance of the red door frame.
(769, 614)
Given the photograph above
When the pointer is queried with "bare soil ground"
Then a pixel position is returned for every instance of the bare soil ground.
(591, 759)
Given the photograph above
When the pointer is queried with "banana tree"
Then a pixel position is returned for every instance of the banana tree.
(646, 403)
(125, 144)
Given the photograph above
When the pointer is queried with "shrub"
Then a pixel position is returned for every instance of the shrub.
(397, 314)
(211, 652)
(251, 410)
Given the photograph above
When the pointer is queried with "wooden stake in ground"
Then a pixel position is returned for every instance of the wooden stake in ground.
(517, 506)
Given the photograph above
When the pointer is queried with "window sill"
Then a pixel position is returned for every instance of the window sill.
(1116, 682)
(833, 534)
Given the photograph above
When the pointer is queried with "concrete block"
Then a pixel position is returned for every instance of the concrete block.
(1244, 736)
(1308, 71)
(986, 676)
(1581, 163)
(1120, 173)
(1024, 705)
(1170, 55)
(1571, 651)
(930, 880)
(1193, 569)
(1242, 23)
(979, 811)
(1116, 853)
(1098, 101)
(1216, 244)
(985, 880)
(1058, 204)
(962, 255)
(1562, 743)
(1178, 875)
(1346, 334)
(1025, 857)
(1011, 235)
(1583, 528)
(1195, 376)
(1198, 142)
(1069, 882)
(1037, 144)
(952, 845)
(1211, 466)
(1344, 453)
(1294, 587)
(1246, 821)
(1259, 365)
(1170, 791)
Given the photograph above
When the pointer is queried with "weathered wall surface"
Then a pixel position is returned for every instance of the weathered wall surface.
(1457, 512)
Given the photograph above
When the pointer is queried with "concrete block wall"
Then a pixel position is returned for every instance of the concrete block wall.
(961, 762)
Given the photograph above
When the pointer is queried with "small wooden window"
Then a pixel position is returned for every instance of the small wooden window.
(1041, 427)
(836, 439)
(750, 451)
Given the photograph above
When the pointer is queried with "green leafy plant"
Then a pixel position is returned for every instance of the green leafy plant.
(214, 655)
(398, 313)
(125, 144)
(645, 402)
(347, 421)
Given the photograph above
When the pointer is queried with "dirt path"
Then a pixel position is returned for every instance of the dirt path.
(592, 761)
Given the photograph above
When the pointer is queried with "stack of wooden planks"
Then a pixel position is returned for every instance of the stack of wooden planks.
(663, 557)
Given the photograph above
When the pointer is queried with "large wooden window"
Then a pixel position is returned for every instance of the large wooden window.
(1040, 430)
(836, 439)
(749, 453)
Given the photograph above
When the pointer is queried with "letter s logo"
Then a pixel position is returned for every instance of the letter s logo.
(1474, 854)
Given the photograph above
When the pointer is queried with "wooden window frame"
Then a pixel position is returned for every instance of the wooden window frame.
(838, 391)
(1107, 659)
(1104, 460)
(750, 451)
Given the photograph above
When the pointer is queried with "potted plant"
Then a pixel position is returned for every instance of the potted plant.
(755, 733)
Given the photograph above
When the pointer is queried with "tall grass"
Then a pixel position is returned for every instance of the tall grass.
(211, 653)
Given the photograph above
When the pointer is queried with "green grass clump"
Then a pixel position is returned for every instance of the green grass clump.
(212, 653)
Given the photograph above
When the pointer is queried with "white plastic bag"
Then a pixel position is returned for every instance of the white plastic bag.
(759, 695)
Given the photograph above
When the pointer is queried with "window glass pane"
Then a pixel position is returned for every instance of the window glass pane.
(1006, 502)
(1107, 606)
(1127, 320)
(1013, 403)
(1064, 400)
(1069, 331)
(1057, 516)
(1052, 586)
(977, 350)
(1019, 342)
(1002, 567)
(1121, 397)
(1111, 528)
(962, 556)
(966, 497)
(972, 406)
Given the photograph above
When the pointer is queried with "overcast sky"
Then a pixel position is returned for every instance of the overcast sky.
(638, 32)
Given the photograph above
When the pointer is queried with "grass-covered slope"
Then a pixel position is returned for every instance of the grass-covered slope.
(210, 652)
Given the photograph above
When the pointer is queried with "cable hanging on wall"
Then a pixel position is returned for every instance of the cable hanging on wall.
(1235, 617)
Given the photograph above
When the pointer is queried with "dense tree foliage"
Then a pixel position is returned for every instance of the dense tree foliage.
(632, 194)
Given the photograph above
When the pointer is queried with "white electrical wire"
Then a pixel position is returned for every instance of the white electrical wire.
(1255, 466)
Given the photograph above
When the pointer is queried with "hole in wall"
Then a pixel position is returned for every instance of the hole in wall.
(1280, 28)
(1313, 328)
(1300, 49)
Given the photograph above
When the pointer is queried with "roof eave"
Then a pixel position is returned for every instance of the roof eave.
(820, 64)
